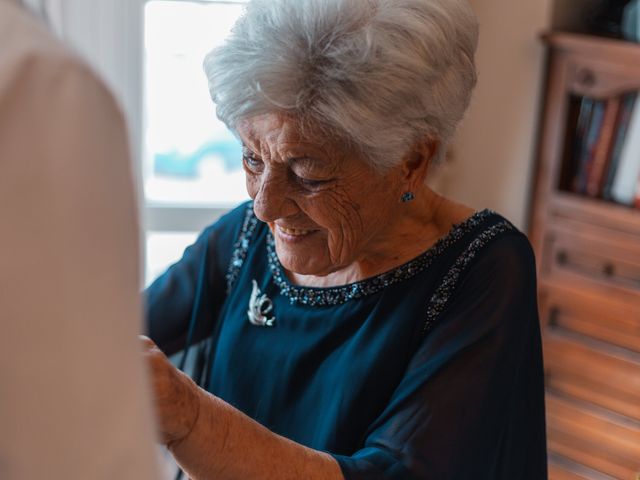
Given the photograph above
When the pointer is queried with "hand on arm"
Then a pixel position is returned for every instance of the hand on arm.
(211, 439)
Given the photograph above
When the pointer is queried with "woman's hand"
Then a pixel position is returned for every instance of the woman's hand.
(176, 396)
(210, 439)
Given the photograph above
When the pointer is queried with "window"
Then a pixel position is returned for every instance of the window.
(192, 169)
(150, 52)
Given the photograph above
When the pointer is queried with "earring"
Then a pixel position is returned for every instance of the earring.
(407, 197)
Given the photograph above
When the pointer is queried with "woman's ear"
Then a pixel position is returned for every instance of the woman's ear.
(416, 164)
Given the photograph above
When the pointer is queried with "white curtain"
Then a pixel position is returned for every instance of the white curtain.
(48, 10)
(108, 34)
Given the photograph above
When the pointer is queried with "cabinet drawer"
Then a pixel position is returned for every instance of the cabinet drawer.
(593, 439)
(591, 313)
(591, 258)
(604, 379)
(561, 469)
(558, 473)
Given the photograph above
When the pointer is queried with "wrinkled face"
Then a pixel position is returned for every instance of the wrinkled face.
(326, 207)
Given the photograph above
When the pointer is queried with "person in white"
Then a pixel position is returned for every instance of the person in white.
(73, 391)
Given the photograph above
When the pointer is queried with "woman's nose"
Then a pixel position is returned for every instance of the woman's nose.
(272, 200)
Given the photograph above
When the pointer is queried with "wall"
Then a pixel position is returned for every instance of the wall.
(494, 151)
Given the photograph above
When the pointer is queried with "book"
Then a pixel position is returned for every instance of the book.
(630, 24)
(621, 132)
(602, 149)
(589, 144)
(582, 127)
(627, 175)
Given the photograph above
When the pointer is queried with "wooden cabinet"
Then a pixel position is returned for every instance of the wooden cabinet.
(588, 257)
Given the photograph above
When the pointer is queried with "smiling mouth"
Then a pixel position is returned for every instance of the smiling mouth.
(294, 232)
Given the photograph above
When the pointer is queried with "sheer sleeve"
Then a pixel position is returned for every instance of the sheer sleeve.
(471, 402)
(197, 280)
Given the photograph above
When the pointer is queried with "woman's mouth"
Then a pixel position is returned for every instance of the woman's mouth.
(294, 231)
(292, 234)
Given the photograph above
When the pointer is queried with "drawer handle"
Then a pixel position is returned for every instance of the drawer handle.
(609, 270)
(562, 257)
(586, 78)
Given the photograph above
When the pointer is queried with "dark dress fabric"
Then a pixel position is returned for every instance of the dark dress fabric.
(430, 371)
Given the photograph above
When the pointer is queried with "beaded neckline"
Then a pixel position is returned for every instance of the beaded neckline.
(323, 296)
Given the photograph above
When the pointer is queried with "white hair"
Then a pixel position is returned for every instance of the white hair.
(381, 74)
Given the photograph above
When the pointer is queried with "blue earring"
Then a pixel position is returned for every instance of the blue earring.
(407, 197)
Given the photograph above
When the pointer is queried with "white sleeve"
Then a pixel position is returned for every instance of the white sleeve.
(74, 402)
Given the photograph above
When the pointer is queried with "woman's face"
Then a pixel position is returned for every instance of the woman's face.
(326, 207)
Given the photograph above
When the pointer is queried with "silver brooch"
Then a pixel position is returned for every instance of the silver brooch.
(260, 308)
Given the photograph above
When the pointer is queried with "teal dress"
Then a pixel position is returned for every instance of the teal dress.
(432, 370)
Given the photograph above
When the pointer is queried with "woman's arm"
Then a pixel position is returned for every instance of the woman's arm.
(212, 440)
(471, 401)
(169, 301)
(227, 444)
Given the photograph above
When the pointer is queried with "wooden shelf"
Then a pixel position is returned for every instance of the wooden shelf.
(593, 46)
(588, 259)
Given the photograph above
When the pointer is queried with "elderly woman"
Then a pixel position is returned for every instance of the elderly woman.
(351, 322)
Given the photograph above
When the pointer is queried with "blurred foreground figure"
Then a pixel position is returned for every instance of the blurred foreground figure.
(73, 398)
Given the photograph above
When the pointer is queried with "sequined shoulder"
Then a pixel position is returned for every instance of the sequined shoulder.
(441, 296)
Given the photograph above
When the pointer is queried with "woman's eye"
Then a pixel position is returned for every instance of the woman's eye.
(251, 162)
(311, 184)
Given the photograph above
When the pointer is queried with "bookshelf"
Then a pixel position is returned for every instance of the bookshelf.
(588, 258)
